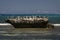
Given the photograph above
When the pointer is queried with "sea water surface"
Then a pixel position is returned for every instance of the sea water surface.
(8, 32)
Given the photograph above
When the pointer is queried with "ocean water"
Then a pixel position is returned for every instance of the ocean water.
(9, 33)
(53, 18)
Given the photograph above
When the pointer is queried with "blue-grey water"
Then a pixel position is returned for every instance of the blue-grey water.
(10, 33)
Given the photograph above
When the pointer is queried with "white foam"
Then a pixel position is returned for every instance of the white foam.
(5, 24)
(56, 24)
